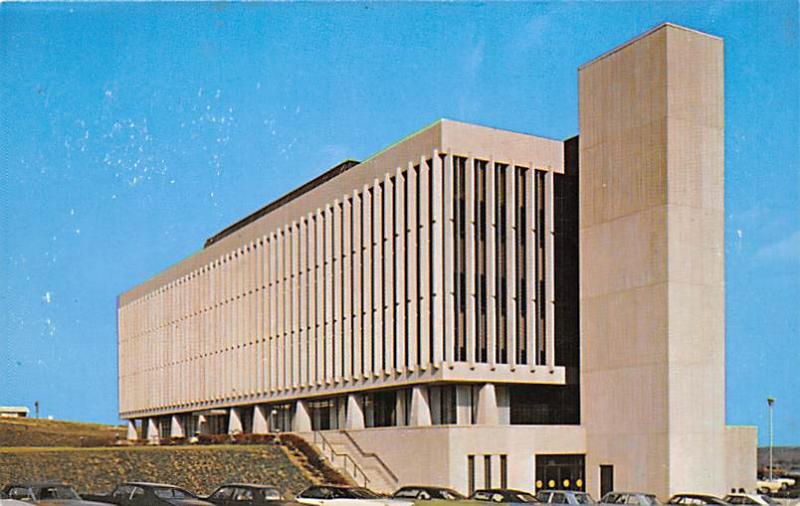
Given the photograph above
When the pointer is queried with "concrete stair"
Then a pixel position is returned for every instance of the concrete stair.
(347, 457)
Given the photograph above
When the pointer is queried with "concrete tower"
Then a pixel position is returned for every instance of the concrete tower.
(652, 263)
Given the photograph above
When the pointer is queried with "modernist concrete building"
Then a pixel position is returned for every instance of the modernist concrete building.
(474, 307)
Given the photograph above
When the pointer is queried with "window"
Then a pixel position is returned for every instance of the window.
(171, 493)
(271, 494)
(503, 471)
(243, 495)
(406, 493)
(471, 474)
(223, 493)
(19, 493)
(480, 261)
(487, 471)
(380, 408)
(443, 404)
(325, 413)
(280, 417)
(540, 313)
(122, 492)
(482, 496)
(500, 260)
(459, 249)
(316, 493)
(522, 264)
(55, 492)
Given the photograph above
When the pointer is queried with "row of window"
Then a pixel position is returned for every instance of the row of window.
(356, 289)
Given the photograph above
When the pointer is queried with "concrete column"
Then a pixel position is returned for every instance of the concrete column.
(302, 420)
(420, 407)
(355, 415)
(152, 430)
(133, 435)
(177, 429)
(488, 412)
(234, 421)
(260, 420)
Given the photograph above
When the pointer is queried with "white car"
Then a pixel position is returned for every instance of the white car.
(776, 484)
(750, 500)
(5, 501)
(637, 498)
(337, 495)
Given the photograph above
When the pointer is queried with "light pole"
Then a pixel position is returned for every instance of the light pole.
(770, 402)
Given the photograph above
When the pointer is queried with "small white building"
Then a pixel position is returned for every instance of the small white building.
(14, 412)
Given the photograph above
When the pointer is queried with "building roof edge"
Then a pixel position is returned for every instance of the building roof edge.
(639, 37)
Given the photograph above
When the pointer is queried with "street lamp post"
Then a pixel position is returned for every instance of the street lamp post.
(770, 402)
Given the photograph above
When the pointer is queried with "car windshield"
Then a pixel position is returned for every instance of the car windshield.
(769, 500)
(406, 493)
(272, 494)
(651, 500)
(520, 497)
(355, 493)
(446, 493)
(584, 499)
(56, 492)
(171, 493)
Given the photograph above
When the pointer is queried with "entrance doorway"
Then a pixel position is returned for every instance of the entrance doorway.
(606, 479)
(564, 472)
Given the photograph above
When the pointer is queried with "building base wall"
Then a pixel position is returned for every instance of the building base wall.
(741, 457)
(440, 455)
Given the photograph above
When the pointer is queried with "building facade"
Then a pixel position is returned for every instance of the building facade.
(474, 307)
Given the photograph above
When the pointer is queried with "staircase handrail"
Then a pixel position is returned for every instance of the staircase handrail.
(321, 441)
(370, 455)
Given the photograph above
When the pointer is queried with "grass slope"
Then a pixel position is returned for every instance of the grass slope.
(18, 432)
(200, 469)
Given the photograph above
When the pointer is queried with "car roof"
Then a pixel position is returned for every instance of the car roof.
(33, 484)
(496, 490)
(149, 484)
(428, 487)
(562, 491)
(252, 485)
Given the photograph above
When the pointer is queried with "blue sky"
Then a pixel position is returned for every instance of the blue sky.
(131, 132)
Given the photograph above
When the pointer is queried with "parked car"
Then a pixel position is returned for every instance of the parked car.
(5, 501)
(150, 494)
(564, 497)
(337, 495)
(696, 500)
(242, 494)
(776, 484)
(503, 495)
(46, 494)
(750, 499)
(636, 498)
(423, 493)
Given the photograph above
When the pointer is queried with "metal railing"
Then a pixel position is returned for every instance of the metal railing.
(332, 455)
(371, 455)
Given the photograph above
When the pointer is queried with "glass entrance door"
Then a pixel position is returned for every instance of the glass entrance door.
(561, 472)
